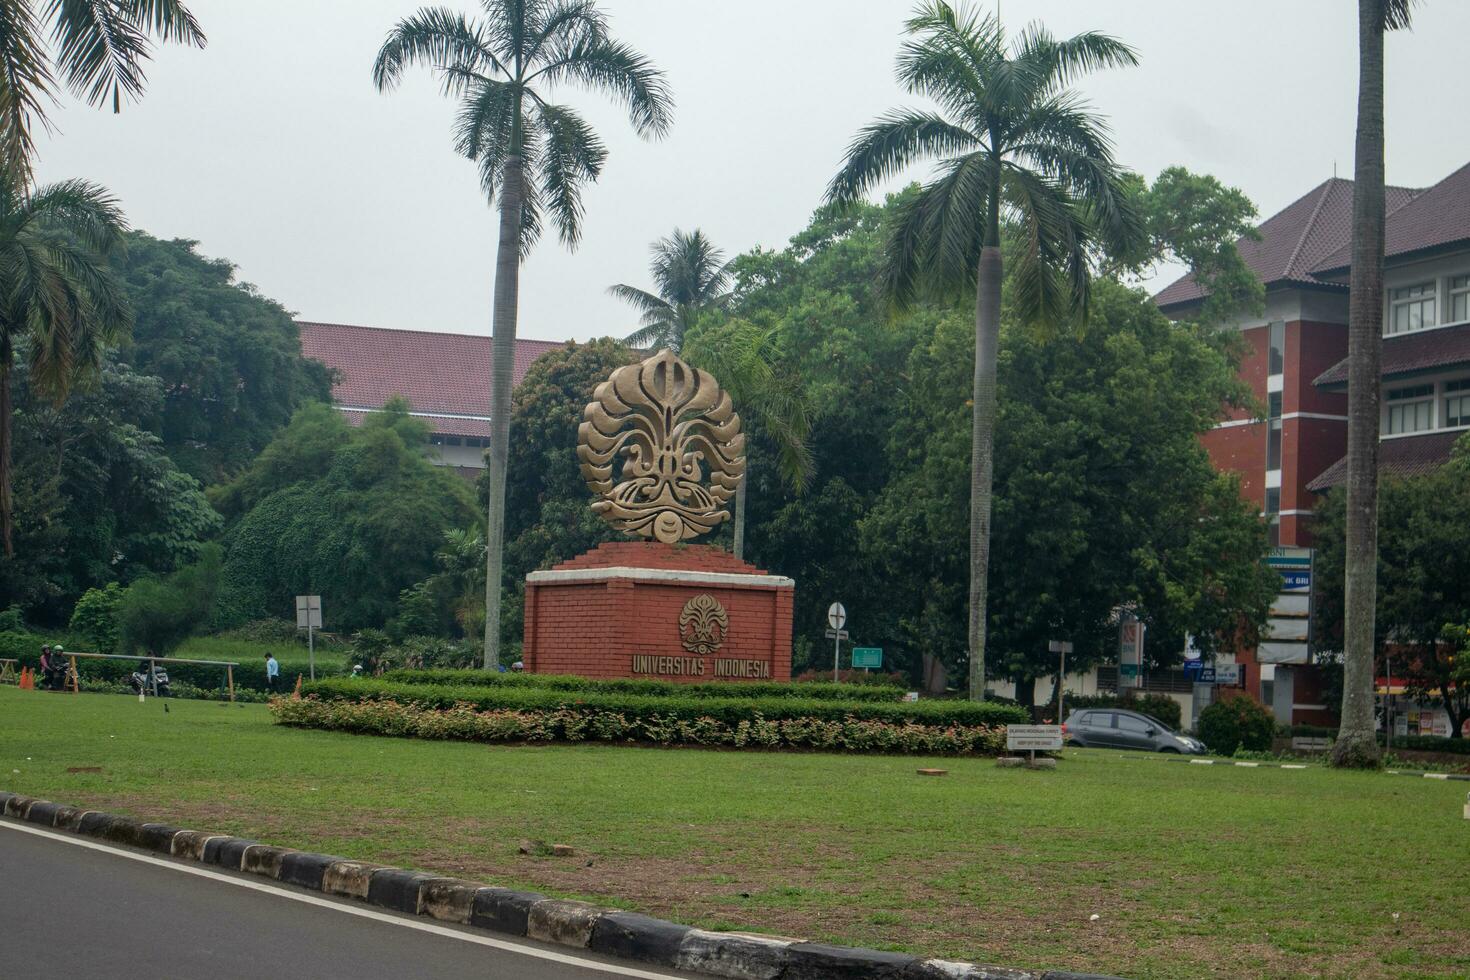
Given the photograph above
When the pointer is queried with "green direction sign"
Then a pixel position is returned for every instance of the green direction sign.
(867, 656)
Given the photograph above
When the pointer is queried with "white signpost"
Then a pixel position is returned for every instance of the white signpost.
(1033, 739)
(836, 619)
(309, 618)
(1061, 647)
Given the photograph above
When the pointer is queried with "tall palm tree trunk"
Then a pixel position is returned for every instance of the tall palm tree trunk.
(982, 452)
(502, 344)
(7, 502)
(1357, 744)
(740, 512)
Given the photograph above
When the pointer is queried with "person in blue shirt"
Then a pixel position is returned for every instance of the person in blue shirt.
(272, 672)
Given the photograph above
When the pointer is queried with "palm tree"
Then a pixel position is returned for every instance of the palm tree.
(60, 304)
(98, 47)
(1018, 151)
(1357, 744)
(745, 359)
(690, 275)
(533, 154)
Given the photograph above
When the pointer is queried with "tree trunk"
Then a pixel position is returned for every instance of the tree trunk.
(7, 503)
(502, 344)
(982, 461)
(740, 511)
(1356, 743)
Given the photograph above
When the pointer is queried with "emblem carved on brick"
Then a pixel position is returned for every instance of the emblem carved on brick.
(703, 625)
(679, 442)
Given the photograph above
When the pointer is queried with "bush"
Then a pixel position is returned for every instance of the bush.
(277, 631)
(650, 688)
(1430, 743)
(95, 617)
(853, 676)
(1159, 706)
(580, 723)
(727, 710)
(1238, 723)
(11, 621)
(158, 614)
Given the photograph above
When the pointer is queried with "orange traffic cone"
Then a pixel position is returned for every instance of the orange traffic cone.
(296, 694)
(27, 683)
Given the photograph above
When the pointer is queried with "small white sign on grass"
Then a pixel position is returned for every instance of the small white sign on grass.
(1036, 738)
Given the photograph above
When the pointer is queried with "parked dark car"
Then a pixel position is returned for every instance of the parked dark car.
(1114, 728)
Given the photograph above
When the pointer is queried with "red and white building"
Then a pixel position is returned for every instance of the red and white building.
(445, 378)
(1296, 367)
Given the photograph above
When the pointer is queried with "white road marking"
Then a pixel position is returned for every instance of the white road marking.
(1248, 765)
(1201, 762)
(1285, 766)
(366, 913)
(1436, 775)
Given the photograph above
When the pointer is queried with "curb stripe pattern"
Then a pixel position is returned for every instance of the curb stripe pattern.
(623, 935)
(1455, 776)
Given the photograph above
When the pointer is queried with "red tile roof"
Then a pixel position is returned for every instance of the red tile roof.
(439, 424)
(439, 373)
(1438, 216)
(1407, 456)
(1294, 240)
(1410, 353)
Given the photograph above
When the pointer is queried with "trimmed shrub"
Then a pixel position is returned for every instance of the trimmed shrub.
(648, 688)
(1238, 723)
(853, 675)
(583, 723)
(728, 710)
(157, 614)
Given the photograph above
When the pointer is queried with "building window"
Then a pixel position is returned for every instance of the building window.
(1459, 299)
(1411, 308)
(1411, 409)
(1457, 402)
(1273, 431)
(1273, 516)
(1276, 348)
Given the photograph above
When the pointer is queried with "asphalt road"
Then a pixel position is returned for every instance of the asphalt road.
(72, 911)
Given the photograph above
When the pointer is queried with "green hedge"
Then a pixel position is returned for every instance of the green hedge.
(727, 710)
(1417, 743)
(1159, 706)
(583, 723)
(648, 688)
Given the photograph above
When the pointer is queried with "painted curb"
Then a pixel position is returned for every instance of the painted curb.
(624, 935)
(1243, 764)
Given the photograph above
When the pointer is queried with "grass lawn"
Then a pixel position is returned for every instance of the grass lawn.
(1193, 870)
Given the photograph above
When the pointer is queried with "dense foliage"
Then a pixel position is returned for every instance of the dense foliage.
(228, 359)
(157, 614)
(353, 514)
(1236, 723)
(648, 688)
(1423, 581)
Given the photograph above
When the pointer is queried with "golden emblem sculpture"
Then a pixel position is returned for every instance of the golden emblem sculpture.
(703, 625)
(681, 449)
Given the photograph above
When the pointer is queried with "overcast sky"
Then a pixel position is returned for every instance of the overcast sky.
(272, 148)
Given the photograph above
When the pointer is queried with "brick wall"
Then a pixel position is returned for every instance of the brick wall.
(595, 628)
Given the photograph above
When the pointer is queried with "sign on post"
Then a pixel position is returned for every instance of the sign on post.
(1034, 738)
(1130, 652)
(836, 619)
(309, 618)
(867, 657)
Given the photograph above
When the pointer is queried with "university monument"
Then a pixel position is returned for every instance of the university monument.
(662, 451)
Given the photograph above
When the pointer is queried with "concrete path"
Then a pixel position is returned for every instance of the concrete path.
(77, 908)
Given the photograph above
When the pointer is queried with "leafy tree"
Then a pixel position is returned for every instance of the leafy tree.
(230, 359)
(98, 499)
(689, 275)
(96, 617)
(354, 515)
(1019, 148)
(1104, 495)
(1356, 744)
(534, 154)
(157, 614)
(1197, 220)
(59, 300)
(98, 48)
(1423, 580)
(1237, 723)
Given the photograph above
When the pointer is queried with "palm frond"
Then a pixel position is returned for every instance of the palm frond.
(1397, 14)
(1050, 274)
(884, 148)
(1061, 62)
(654, 336)
(168, 20)
(87, 211)
(613, 68)
(99, 51)
(438, 38)
(571, 156)
(644, 302)
(568, 21)
(26, 86)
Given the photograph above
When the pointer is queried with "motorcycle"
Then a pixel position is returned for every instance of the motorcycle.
(142, 683)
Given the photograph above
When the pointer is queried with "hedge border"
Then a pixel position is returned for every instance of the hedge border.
(640, 687)
(611, 932)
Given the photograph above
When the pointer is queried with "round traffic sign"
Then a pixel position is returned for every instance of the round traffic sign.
(836, 616)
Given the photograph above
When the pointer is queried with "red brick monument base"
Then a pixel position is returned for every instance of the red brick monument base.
(652, 610)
